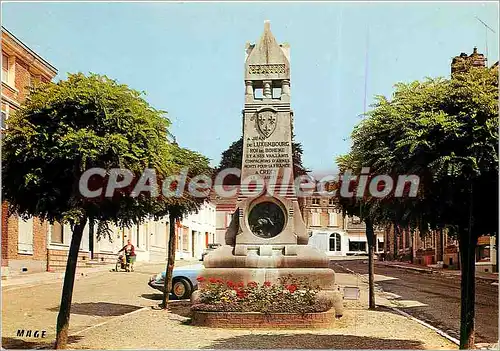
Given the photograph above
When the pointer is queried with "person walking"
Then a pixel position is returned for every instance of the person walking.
(129, 250)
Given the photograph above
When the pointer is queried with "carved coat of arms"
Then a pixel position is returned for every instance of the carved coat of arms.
(266, 122)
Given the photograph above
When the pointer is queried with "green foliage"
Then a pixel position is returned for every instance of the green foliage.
(68, 127)
(197, 165)
(446, 132)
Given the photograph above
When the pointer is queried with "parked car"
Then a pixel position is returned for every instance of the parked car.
(183, 282)
(210, 248)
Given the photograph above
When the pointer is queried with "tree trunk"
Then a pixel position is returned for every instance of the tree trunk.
(396, 233)
(440, 247)
(172, 241)
(467, 244)
(69, 280)
(371, 263)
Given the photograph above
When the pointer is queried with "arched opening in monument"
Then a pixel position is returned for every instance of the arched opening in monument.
(267, 219)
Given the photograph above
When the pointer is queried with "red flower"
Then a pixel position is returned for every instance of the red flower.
(219, 281)
(212, 280)
(240, 284)
(252, 284)
(230, 284)
(241, 294)
(291, 288)
(268, 284)
(200, 279)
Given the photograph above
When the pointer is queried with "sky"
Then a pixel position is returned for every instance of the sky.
(189, 57)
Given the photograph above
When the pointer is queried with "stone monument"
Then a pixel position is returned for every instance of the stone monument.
(267, 238)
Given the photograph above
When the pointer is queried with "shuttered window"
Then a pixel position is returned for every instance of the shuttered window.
(25, 236)
(332, 216)
(57, 233)
(5, 68)
(315, 219)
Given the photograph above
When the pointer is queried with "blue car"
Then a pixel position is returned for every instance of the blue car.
(183, 282)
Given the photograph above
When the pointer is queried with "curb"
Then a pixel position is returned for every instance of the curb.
(438, 331)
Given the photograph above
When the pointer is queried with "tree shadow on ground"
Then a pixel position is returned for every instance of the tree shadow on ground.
(101, 309)
(40, 344)
(313, 341)
(152, 296)
(180, 307)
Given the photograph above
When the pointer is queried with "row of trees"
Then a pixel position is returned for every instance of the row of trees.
(90, 121)
(446, 132)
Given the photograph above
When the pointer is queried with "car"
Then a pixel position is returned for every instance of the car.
(183, 282)
(210, 248)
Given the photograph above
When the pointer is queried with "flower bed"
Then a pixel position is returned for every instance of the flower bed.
(247, 320)
(289, 295)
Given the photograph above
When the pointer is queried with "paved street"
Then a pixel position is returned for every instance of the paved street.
(435, 297)
(96, 299)
(100, 298)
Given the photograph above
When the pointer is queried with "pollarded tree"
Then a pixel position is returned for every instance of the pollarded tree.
(188, 201)
(446, 132)
(66, 128)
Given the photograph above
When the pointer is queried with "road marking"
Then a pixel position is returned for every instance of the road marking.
(391, 296)
(110, 320)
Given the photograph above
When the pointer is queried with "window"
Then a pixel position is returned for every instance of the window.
(258, 93)
(57, 233)
(276, 93)
(315, 201)
(315, 219)
(25, 236)
(332, 242)
(331, 202)
(357, 246)
(4, 119)
(5, 68)
(335, 244)
(332, 219)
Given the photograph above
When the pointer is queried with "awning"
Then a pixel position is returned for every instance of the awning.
(360, 238)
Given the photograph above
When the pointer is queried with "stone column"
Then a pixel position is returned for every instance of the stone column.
(268, 91)
(285, 87)
(248, 88)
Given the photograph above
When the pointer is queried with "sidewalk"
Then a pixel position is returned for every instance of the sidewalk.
(50, 277)
(359, 328)
(406, 265)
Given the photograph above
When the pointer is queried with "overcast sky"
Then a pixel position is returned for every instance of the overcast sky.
(188, 57)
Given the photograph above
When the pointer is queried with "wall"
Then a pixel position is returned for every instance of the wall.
(17, 262)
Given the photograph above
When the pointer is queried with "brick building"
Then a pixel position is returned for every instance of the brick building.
(24, 241)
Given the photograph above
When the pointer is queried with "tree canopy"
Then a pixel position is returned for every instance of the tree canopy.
(76, 124)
